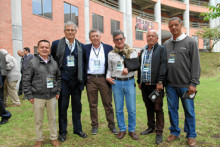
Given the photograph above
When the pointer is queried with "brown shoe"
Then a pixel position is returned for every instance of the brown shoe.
(55, 143)
(38, 144)
(133, 135)
(121, 135)
(171, 138)
(191, 142)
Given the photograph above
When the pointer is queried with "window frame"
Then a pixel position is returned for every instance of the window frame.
(115, 25)
(97, 20)
(42, 10)
(77, 24)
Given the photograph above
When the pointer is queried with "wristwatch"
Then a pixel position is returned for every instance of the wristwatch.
(160, 82)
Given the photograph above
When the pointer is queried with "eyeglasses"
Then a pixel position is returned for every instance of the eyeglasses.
(70, 30)
(119, 39)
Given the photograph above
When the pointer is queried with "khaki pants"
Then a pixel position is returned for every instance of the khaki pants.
(39, 105)
(11, 91)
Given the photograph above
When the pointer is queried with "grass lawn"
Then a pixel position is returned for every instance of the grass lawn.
(19, 131)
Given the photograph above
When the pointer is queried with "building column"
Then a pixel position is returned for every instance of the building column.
(125, 6)
(87, 21)
(186, 21)
(16, 20)
(157, 15)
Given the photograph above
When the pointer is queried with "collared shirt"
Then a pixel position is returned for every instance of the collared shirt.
(71, 46)
(46, 61)
(181, 37)
(146, 63)
(96, 55)
(113, 59)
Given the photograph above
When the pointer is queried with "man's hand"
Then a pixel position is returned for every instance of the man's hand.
(125, 71)
(139, 86)
(110, 80)
(57, 96)
(191, 89)
(31, 101)
(159, 87)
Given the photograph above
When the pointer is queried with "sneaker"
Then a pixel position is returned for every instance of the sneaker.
(114, 131)
(94, 131)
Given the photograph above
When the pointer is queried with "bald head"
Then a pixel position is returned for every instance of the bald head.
(152, 37)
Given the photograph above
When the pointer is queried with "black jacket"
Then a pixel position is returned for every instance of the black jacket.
(158, 65)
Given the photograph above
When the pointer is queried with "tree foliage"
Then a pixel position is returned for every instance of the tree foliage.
(214, 12)
(210, 33)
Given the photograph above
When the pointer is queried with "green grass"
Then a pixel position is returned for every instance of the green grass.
(19, 131)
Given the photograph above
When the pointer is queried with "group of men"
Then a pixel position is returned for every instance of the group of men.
(63, 71)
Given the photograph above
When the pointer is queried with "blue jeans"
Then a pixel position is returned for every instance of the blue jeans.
(173, 95)
(120, 90)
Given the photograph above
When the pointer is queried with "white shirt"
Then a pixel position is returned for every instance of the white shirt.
(181, 37)
(96, 54)
(71, 46)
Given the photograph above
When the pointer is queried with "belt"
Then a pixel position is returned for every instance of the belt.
(123, 79)
(97, 75)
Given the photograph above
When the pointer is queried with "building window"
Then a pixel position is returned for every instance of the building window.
(42, 8)
(139, 35)
(115, 25)
(71, 13)
(97, 22)
(206, 43)
(196, 38)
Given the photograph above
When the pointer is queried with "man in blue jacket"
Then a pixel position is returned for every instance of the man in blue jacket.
(70, 55)
(96, 66)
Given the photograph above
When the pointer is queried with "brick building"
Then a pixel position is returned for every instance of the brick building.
(25, 22)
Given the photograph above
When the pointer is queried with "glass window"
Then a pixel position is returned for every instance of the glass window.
(71, 13)
(97, 22)
(115, 25)
(42, 8)
(139, 35)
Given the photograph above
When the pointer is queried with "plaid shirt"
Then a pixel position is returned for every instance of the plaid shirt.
(146, 74)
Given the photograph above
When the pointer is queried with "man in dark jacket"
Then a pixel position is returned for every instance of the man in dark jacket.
(6, 115)
(42, 86)
(96, 66)
(70, 55)
(151, 76)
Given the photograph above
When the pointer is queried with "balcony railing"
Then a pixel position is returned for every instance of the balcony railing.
(143, 14)
(198, 2)
(109, 3)
(165, 20)
(198, 25)
(179, 0)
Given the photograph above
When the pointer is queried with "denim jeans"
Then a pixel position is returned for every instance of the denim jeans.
(120, 90)
(173, 95)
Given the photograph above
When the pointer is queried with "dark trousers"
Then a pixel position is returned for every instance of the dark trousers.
(2, 89)
(70, 88)
(153, 107)
(4, 113)
(93, 85)
(20, 85)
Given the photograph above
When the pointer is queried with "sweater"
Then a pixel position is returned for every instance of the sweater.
(185, 71)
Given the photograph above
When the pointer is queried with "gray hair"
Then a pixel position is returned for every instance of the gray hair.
(118, 32)
(4, 51)
(94, 30)
(175, 18)
(154, 31)
(69, 23)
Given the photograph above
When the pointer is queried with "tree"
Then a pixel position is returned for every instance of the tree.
(214, 12)
(210, 33)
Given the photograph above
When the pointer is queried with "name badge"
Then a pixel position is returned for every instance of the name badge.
(70, 61)
(172, 58)
(119, 66)
(49, 82)
(146, 67)
(97, 64)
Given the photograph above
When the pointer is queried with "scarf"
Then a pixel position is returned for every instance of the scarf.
(125, 52)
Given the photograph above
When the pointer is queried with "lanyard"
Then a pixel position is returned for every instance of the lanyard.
(97, 55)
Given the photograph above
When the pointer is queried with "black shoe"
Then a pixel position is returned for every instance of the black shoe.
(94, 131)
(5, 120)
(114, 131)
(19, 93)
(148, 131)
(62, 137)
(81, 134)
(159, 139)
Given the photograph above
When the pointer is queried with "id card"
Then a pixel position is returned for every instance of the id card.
(70, 61)
(119, 66)
(146, 67)
(97, 64)
(172, 58)
(49, 82)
